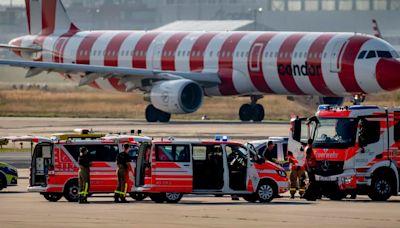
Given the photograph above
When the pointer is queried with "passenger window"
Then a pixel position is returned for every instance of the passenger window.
(369, 132)
(371, 54)
(173, 153)
(384, 54)
(236, 154)
(104, 153)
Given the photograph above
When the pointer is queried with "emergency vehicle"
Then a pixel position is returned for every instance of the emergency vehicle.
(357, 149)
(279, 152)
(168, 169)
(54, 168)
(8, 175)
(84, 134)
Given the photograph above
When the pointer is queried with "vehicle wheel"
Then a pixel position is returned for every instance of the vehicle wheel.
(3, 181)
(163, 117)
(265, 192)
(258, 113)
(381, 189)
(157, 197)
(53, 197)
(71, 191)
(172, 197)
(151, 113)
(252, 198)
(245, 112)
(138, 196)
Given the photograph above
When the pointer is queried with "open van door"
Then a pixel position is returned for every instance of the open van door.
(142, 162)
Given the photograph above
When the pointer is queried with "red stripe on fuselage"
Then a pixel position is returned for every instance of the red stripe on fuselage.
(85, 47)
(28, 13)
(285, 59)
(225, 64)
(257, 76)
(347, 73)
(142, 46)
(48, 17)
(168, 53)
(61, 43)
(317, 48)
(111, 57)
(197, 62)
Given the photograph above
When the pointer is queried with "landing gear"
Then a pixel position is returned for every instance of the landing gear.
(252, 111)
(358, 99)
(154, 115)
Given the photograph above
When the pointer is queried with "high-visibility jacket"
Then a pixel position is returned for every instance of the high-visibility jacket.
(294, 163)
(311, 160)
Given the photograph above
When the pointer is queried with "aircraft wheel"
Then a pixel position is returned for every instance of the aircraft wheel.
(245, 112)
(154, 115)
(258, 113)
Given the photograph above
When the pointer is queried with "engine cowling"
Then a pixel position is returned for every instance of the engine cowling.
(313, 102)
(177, 96)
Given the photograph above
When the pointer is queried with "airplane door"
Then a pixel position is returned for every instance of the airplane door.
(255, 57)
(156, 58)
(336, 55)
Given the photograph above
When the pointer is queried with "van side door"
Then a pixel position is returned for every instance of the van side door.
(172, 168)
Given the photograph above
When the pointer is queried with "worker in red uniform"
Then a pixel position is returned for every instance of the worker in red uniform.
(297, 176)
(312, 192)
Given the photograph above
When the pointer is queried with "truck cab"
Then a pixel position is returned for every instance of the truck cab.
(356, 149)
(168, 169)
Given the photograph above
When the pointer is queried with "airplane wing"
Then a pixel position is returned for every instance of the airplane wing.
(125, 74)
(17, 48)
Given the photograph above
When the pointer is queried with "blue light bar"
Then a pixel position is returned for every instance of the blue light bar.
(361, 107)
(222, 138)
(218, 138)
(324, 107)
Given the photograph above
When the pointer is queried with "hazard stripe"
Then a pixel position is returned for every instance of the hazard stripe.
(347, 73)
(317, 48)
(111, 57)
(168, 53)
(284, 60)
(48, 17)
(225, 63)
(257, 76)
(197, 62)
(142, 46)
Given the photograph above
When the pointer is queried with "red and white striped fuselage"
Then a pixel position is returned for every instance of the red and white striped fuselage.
(248, 63)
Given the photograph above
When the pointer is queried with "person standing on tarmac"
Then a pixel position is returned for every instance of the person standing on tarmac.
(311, 165)
(84, 174)
(297, 176)
(123, 174)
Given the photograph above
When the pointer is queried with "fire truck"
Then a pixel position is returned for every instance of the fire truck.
(54, 167)
(356, 147)
(168, 169)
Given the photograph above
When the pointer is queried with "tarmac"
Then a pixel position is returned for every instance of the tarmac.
(18, 208)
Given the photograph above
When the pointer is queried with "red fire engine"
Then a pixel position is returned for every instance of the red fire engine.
(357, 149)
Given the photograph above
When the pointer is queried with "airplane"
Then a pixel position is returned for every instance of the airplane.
(175, 70)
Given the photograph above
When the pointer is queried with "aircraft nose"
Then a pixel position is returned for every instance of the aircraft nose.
(388, 74)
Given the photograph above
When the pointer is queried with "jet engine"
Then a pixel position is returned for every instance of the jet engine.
(177, 96)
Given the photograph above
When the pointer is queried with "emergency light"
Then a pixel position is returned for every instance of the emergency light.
(222, 138)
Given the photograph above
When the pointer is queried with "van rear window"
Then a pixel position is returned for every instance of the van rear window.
(173, 153)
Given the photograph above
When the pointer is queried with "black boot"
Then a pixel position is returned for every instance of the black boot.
(116, 198)
(123, 200)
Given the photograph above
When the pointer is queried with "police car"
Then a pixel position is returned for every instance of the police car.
(8, 175)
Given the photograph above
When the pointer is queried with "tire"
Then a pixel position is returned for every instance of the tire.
(138, 196)
(52, 197)
(3, 181)
(71, 191)
(172, 197)
(251, 198)
(163, 117)
(265, 192)
(258, 113)
(151, 114)
(381, 188)
(245, 112)
(157, 198)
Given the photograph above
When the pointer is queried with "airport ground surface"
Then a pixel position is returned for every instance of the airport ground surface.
(19, 208)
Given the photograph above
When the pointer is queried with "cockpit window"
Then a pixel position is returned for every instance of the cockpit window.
(371, 54)
(362, 54)
(384, 54)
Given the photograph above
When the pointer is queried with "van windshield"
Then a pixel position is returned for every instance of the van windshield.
(335, 133)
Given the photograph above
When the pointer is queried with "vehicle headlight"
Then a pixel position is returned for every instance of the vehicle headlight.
(348, 180)
(281, 173)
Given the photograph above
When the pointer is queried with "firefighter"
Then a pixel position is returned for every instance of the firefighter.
(123, 175)
(312, 192)
(297, 176)
(84, 174)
